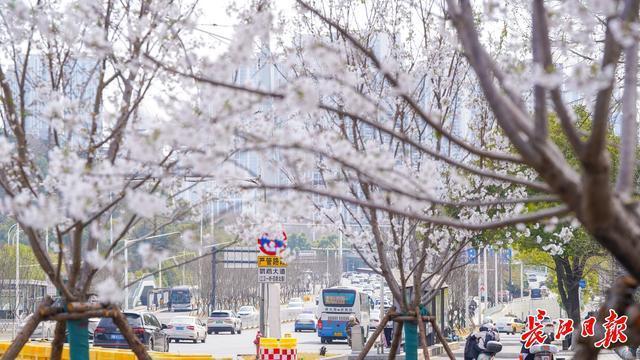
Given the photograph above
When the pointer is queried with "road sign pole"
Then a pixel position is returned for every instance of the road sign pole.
(263, 328)
(273, 312)
(466, 293)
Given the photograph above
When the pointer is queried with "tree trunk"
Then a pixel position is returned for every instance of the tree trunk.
(568, 287)
(573, 302)
(58, 340)
(134, 343)
(395, 343)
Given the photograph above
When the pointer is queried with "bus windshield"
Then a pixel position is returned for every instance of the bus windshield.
(180, 296)
(338, 297)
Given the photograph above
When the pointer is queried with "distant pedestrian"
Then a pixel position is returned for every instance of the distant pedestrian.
(256, 342)
(353, 321)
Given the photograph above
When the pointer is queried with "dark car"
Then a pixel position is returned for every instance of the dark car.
(145, 325)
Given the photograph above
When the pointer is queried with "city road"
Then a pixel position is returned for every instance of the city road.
(229, 345)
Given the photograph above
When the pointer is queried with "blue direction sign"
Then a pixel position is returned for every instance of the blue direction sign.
(582, 283)
(506, 255)
(471, 256)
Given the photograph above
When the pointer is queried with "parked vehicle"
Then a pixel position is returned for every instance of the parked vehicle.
(305, 321)
(223, 321)
(247, 312)
(145, 325)
(186, 328)
(93, 324)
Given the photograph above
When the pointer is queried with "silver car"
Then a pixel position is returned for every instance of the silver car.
(247, 312)
(224, 321)
(186, 328)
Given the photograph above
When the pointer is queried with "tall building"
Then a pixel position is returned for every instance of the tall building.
(76, 81)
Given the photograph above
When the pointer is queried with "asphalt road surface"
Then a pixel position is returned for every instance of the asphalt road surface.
(225, 344)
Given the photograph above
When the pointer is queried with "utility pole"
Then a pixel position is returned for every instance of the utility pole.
(479, 307)
(495, 275)
(17, 281)
(213, 255)
(126, 276)
(340, 255)
(521, 280)
(510, 275)
(466, 292)
(485, 280)
(213, 279)
(201, 242)
(263, 309)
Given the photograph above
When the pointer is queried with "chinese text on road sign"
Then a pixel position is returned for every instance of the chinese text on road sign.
(270, 261)
(272, 275)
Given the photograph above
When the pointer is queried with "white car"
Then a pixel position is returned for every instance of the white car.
(374, 318)
(224, 320)
(295, 303)
(44, 330)
(509, 325)
(186, 328)
(247, 312)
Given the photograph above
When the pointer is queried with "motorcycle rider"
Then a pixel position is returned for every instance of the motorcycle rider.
(475, 344)
(526, 355)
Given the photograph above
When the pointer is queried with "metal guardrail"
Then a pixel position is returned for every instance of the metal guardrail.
(286, 315)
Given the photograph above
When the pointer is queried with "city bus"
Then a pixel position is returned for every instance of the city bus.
(335, 305)
(182, 298)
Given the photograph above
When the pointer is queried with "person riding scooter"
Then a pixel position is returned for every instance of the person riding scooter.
(477, 342)
(527, 354)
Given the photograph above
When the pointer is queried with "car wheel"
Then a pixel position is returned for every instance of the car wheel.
(209, 332)
(195, 341)
(215, 332)
(322, 341)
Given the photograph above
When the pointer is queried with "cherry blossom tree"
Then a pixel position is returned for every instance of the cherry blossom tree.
(519, 95)
(418, 128)
(80, 157)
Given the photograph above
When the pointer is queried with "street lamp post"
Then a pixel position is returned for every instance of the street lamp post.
(125, 249)
(17, 274)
